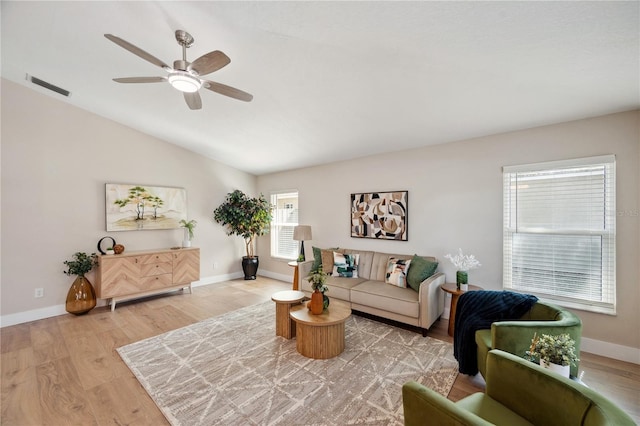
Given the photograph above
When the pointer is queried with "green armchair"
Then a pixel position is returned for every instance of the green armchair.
(515, 336)
(518, 392)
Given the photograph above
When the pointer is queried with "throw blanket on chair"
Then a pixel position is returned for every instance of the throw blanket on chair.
(477, 310)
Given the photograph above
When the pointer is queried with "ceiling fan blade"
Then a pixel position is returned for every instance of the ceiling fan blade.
(137, 51)
(140, 79)
(193, 100)
(210, 62)
(229, 91)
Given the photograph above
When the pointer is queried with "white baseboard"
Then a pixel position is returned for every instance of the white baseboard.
(276, 276)
(54, 311)
(610, 350)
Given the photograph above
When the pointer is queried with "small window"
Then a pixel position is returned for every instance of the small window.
(285, 218)
(559, 234)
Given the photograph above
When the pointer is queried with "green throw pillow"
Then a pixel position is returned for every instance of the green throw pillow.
(419, 270)
(317, 258)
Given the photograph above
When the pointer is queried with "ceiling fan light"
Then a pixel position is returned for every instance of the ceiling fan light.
(184, 82)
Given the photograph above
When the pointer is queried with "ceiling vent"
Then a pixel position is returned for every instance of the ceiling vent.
(52, 87)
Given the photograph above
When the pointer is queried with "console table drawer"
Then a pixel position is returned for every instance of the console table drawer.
(151, 269)
(155, 282)
(155, 258)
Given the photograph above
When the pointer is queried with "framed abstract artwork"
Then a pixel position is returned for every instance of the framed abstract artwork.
(142, 207)
(380, 215)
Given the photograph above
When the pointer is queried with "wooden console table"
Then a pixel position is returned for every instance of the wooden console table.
(136, 274)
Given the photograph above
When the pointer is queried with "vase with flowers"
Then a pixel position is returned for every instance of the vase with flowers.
(81, 297)
(319, 300)
(556, 353)
(463, 263)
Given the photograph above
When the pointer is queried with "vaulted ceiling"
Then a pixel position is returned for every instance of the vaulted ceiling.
(334, 80)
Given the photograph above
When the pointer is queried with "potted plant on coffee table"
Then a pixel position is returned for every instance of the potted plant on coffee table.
(556, 353)
(249, 218)
(319, 300)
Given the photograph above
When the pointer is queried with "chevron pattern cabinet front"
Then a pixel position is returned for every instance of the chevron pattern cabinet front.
(141, 273)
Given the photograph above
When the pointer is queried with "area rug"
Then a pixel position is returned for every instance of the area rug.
(233, 370)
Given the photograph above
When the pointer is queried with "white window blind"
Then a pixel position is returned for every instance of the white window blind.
(285, 218)
(559, 234)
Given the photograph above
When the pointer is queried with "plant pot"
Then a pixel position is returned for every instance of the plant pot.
(563, 370)
(464, 287)
(81, 297)
(186, 242)
(250, 267)
(317, 303)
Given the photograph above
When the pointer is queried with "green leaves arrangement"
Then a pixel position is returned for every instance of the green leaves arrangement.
(318, 280)
(244, 216)
(189, 225)
(81, 264)
(558, 349)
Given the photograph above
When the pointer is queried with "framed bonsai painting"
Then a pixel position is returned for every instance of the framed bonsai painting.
(380, 215)
(132, 207)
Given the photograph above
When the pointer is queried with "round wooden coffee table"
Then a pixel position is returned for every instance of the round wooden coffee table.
(285, 327)
(320, 336)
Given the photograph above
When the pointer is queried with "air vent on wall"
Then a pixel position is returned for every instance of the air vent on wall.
(52, 87)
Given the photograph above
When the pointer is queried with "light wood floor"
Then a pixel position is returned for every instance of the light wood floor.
(65, 370)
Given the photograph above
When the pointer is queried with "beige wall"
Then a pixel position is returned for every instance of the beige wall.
(455, 200)
(56, 160)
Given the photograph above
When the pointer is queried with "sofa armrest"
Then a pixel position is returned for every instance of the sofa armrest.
(304, 268)
(431, 299)
(424, 406)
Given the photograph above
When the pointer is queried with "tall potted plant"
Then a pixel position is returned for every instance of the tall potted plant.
(249, 218)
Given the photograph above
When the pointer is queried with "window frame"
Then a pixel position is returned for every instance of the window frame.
(276, 225)
(560, 229)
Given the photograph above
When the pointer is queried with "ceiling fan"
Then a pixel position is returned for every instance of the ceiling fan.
(184, 75)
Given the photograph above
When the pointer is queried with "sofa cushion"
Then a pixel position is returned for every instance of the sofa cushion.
(377, 294)
(327, 261)
(345, 265)
(397, 272)
(364, 262)
(420, 270)
(339, 287)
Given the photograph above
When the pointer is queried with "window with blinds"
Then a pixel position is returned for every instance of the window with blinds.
(285, 218)
(559, 235)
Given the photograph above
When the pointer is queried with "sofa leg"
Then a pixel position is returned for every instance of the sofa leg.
(424, 332)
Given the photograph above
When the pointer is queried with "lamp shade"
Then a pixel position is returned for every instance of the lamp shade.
(302, 233)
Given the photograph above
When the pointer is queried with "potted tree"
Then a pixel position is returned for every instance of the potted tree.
(249, 218)
(188, 231)
(556, 353)
(81, 297)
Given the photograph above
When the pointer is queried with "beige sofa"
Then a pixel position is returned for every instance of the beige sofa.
(370, 294)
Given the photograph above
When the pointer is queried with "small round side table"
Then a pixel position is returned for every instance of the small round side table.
(285, 326)
(452, 289)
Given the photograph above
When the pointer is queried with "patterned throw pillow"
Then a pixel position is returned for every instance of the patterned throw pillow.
(397, 272)
(345, 265)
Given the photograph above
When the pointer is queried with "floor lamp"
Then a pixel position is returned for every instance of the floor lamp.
(302, 233)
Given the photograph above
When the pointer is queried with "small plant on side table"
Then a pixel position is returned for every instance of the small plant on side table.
(188, 226)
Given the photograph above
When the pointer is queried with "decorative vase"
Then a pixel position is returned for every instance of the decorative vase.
(81, 297)
(317, 303)
(250, 267)
(563, 370)
(464, 287)
(186, 242)
(462, 277)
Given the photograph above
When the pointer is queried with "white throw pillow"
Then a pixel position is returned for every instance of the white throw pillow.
(397, 272)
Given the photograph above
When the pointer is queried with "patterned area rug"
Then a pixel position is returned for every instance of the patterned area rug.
(233, 370)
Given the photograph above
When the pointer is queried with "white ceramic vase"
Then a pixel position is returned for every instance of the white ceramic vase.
(464, 287)
(186, 242)
(563, 370)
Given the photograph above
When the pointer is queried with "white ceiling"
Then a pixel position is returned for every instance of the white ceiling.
(334, 80)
